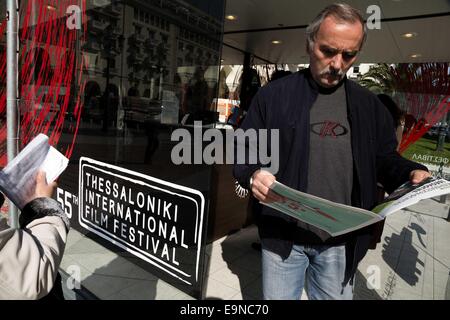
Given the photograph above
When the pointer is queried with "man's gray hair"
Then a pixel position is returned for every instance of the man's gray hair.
(341, 12)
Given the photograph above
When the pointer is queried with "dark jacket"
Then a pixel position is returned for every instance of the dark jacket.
(285, 105)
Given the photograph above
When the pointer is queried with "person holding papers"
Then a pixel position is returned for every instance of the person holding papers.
(336, 141)
(30, 256)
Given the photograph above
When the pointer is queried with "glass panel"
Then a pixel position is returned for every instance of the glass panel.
(109, 81)
(3, 152)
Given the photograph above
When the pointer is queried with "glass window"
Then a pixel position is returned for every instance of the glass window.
(114, 98)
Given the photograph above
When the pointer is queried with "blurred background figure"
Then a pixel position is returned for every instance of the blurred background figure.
(398, 116)
(279, 74)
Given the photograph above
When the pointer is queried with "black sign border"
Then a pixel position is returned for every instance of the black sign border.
(123, 244)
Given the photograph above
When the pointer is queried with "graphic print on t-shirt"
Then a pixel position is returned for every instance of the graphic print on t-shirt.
(330, 148)
(328, 128)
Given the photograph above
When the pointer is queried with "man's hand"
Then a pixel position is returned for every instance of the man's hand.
(417, 176)
(42, 188)
(262, 180)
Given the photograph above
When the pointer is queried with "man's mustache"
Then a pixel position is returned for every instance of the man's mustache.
(332, 72)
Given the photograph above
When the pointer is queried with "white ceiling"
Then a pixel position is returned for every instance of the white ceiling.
(384, 45)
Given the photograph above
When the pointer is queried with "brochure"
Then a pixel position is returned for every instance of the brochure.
(18, 178)
(337, 219)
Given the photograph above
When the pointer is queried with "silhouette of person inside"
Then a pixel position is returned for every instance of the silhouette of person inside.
(397, 116)
(197, 94)
(278, 74)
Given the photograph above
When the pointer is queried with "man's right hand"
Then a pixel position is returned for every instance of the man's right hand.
(262, 180)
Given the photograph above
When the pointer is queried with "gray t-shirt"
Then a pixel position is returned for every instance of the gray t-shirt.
(330, 172)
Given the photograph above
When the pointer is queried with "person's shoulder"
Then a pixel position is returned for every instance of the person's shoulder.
(359, 90)
(363, 94)
(286, 82)
(366, 100)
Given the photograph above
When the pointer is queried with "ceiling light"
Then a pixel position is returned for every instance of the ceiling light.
(409, 35)
(276, 41)
(415, 55)
(231, 17)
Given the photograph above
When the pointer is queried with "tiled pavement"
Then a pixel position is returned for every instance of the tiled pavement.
(411, 262)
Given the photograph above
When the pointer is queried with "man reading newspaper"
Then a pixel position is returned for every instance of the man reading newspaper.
(336, 141)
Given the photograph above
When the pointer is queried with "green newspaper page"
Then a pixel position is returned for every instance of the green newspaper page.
(334, 218)
(337, 219)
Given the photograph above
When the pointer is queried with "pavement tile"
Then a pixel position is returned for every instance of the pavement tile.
(440, 210)
(241, 240)
(440, 293)
(398, 220)
(234, 277)
(215, 260)
(447, 285)
(73, 237)
(416, 246)
(96, 261)
(442, 255)
(150, 290)
(85, 245)
(117, 296)
(250, 262)
(227, 252)
(238, 296)
(104, 286)
(182, 296)
(66, 262)
(216, 264)
(406, 296)
(413, 260)
(253, 290)
(218, 290)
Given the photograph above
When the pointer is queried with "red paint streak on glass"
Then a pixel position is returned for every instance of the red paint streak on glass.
(421, 89)
(2, 96)
(51, 85)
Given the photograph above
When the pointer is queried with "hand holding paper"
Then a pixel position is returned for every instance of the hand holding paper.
(260, 186)
(43, 188)
(54, 164)
(18, 178)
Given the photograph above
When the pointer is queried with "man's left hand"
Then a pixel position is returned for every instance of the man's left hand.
(43, 189)
(417, 176)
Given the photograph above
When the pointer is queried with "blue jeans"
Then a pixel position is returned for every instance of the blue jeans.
(318, 268)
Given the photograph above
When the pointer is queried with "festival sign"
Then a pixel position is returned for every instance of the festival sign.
(157, 221)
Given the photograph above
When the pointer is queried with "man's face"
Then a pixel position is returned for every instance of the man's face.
(334, 51)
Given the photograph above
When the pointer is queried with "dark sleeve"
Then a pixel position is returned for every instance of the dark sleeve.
(42, 207)
(255, 119)
(392, 169)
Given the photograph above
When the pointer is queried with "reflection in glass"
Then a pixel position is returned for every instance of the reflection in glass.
(128, 69)
(161, 57)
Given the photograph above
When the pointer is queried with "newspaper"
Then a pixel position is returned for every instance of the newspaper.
(337, 219)
(18, 178)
